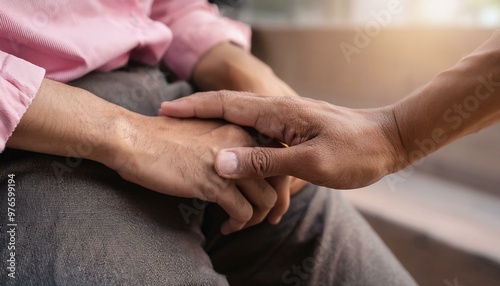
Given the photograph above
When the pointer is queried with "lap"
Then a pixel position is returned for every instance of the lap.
(90, 227)
(321, 240)
(138, 89)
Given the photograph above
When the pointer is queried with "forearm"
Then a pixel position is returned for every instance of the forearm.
(459, 101)
(67, 121)
(229, 67)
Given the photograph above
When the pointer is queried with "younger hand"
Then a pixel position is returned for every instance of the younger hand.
(330, 145)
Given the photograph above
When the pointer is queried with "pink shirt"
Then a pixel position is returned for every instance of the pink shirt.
(63, 40)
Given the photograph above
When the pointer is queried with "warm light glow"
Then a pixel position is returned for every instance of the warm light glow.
(465, 13)
(437, 11)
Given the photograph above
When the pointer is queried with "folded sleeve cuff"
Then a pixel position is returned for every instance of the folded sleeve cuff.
(19, 84)
(198, 32)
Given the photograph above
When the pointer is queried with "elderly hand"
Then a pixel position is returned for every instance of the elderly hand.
(170, 156)
(176, 157)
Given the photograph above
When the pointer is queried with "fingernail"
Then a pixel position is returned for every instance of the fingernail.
(227, 163)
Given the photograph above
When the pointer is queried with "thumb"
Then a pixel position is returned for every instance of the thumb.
(256, 162)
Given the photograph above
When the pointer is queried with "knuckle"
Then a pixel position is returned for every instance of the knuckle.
(208, 194)
(223, 184)
(260, 161)
(233, 130)
(287, 100)
(323, 105)
(246, 215)
(292, 105)
(224, 95)
(212, 191)
(234, 134)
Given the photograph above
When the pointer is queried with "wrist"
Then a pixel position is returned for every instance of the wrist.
(396, 153)
(114, 145)
(227, 66)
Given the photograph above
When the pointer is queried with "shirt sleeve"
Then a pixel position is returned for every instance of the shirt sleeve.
(19, 84)
(196, 27)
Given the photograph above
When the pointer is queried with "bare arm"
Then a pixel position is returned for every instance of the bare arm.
(459, 101)
(62, 117)
(229, 67)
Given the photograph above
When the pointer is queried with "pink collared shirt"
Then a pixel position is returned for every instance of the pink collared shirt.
(65, 39)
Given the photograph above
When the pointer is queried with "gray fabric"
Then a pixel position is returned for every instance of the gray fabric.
(79, 223)
(136, 88)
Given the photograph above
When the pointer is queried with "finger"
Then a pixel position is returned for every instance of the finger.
(296, 185)
(212, 104)
(260, 162)
(269, 115)
(261, 195)
(238, 208)
(282, 186)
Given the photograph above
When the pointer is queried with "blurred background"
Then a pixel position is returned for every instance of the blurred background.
(440, 217)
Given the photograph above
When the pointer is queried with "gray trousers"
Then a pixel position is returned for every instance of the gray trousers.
(79, 223)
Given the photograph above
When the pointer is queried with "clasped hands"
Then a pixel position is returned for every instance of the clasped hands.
(177, 156)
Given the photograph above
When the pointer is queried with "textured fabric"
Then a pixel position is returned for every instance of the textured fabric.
(142, 92)
(196, 27)
(90, 227)
(87, 226)
(321, 241)
(71, 38)
(19, 82)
